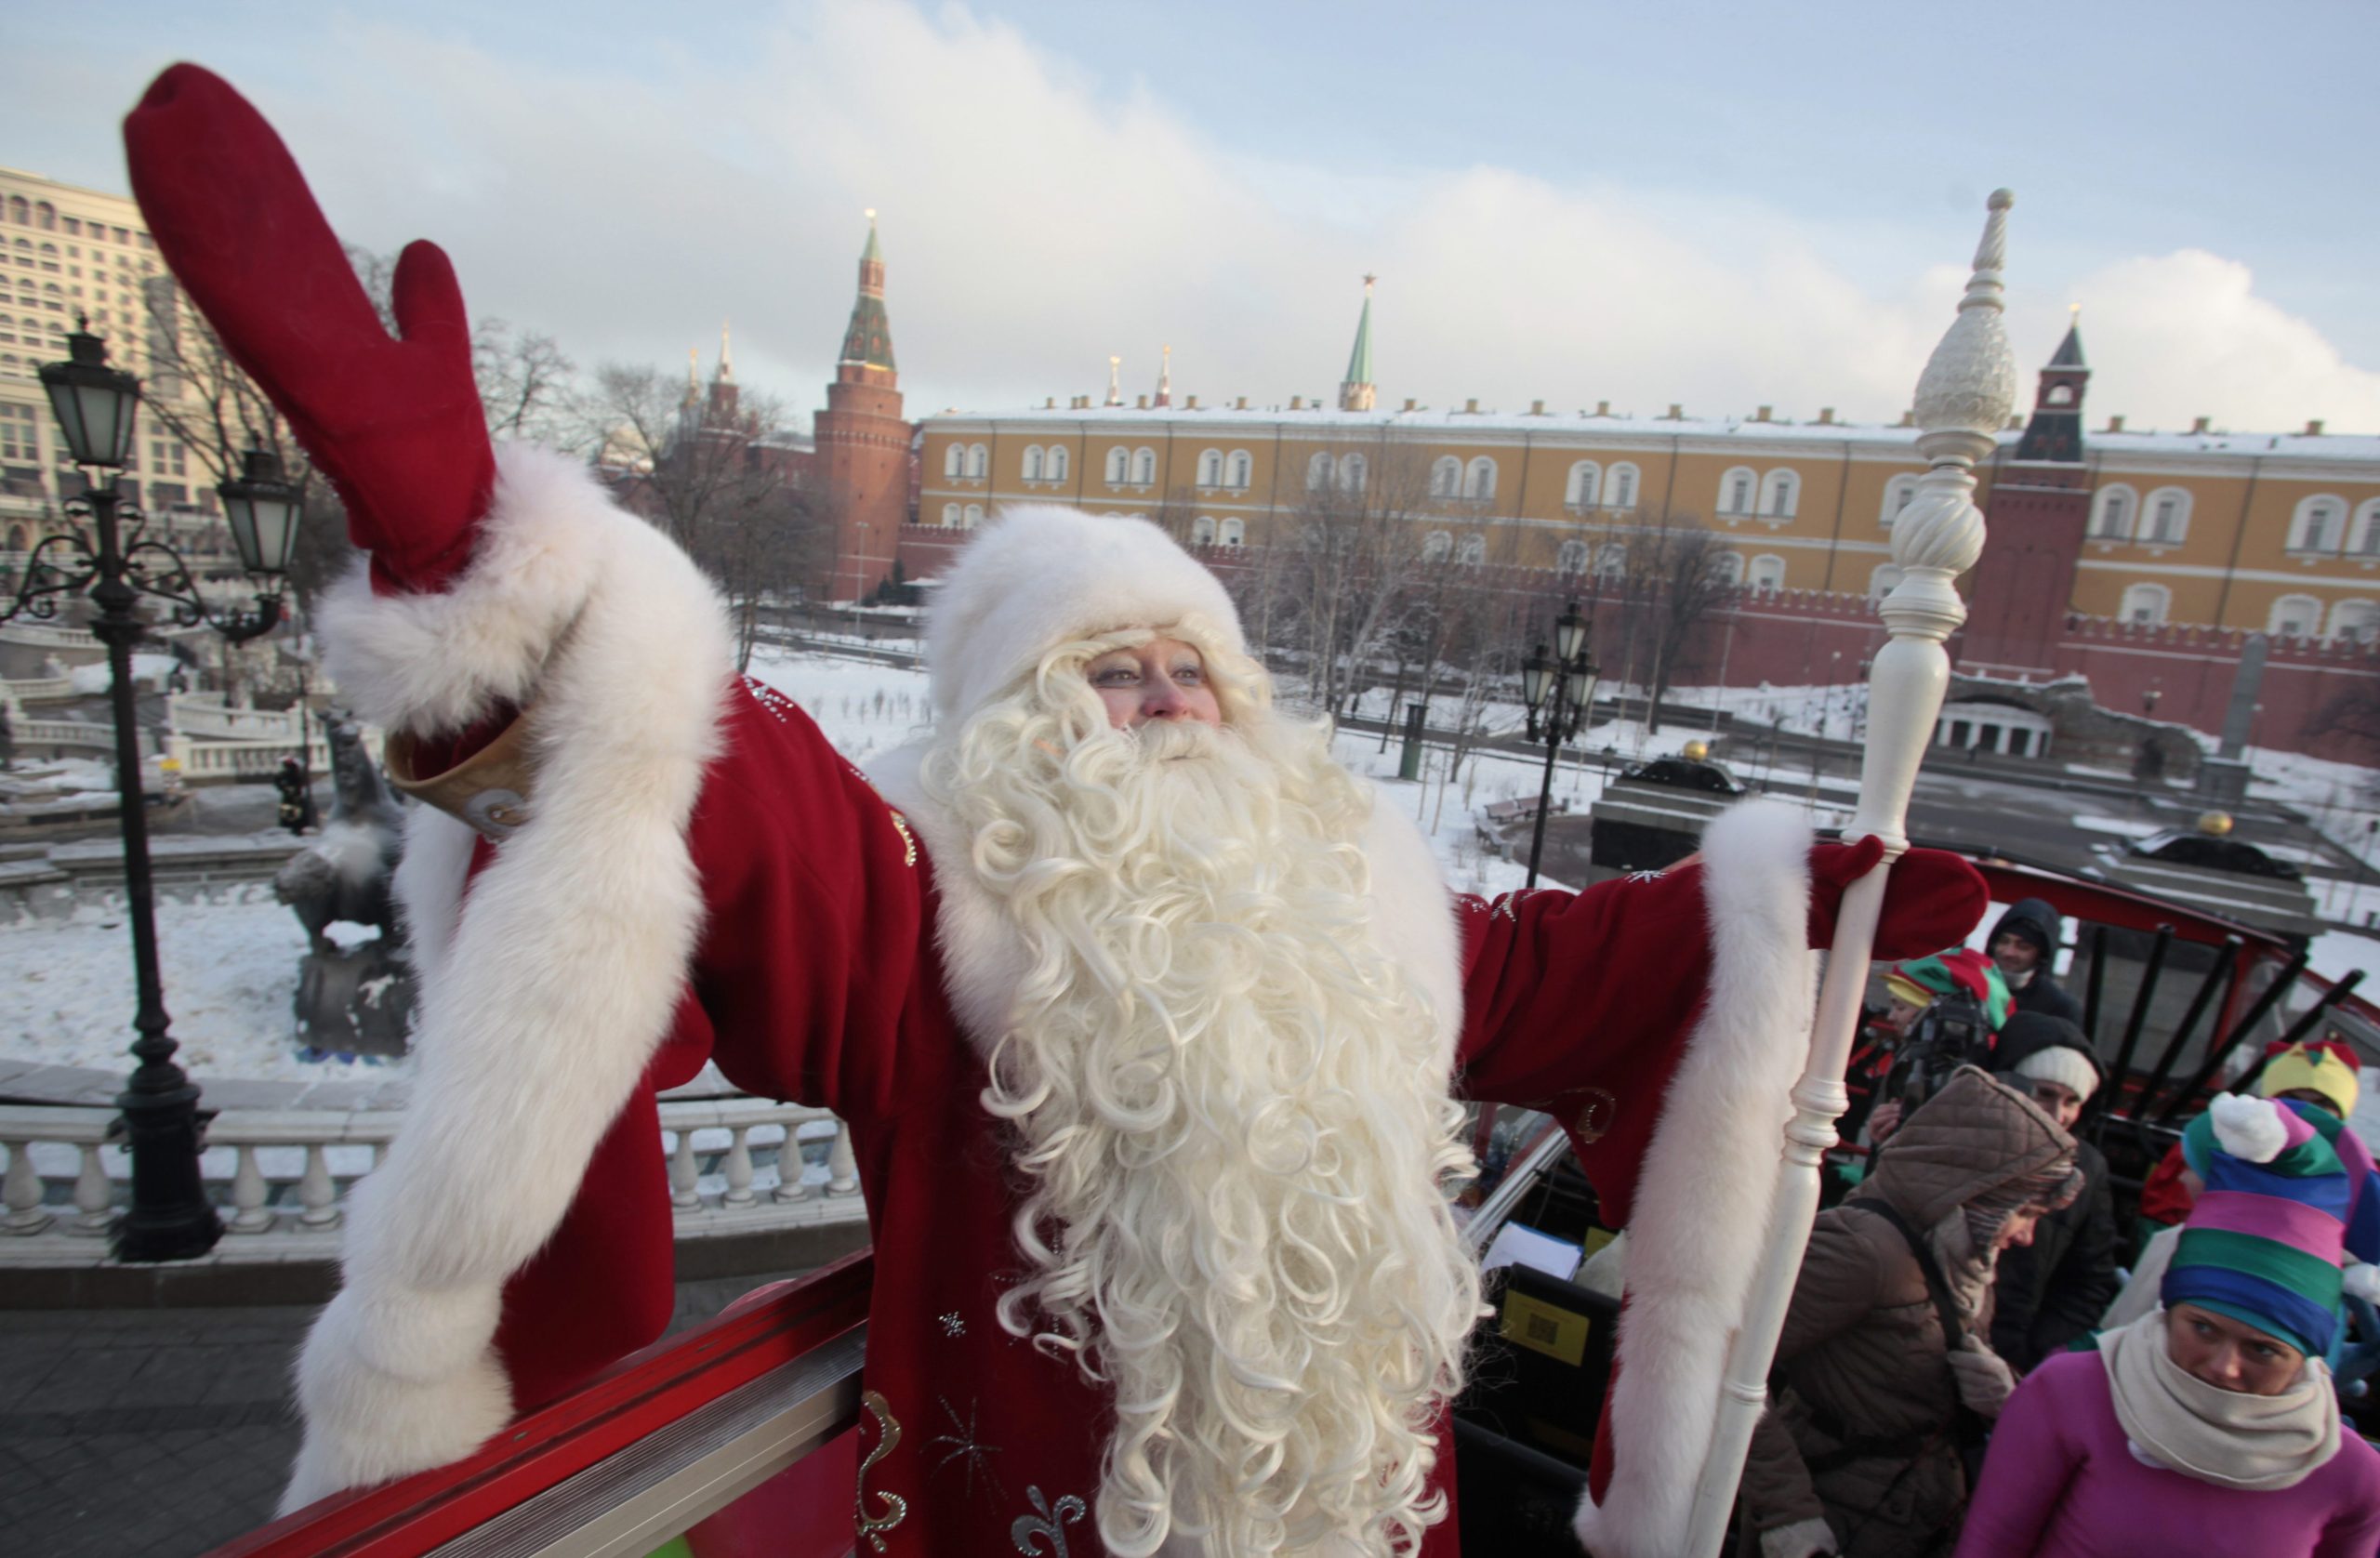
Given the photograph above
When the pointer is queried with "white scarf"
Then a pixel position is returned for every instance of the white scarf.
(2229, 1438)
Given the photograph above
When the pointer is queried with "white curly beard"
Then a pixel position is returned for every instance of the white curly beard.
(1234, 1117)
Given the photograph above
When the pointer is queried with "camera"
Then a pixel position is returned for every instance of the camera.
(1951, 1033)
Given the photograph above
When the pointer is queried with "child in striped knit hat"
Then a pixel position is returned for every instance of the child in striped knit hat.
(2208, 1426)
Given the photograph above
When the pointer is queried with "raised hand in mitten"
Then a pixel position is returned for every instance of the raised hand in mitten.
(395, 424)
(1932, 898)
(1984, 1378)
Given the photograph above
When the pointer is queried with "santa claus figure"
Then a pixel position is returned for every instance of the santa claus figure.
(1150, 1022)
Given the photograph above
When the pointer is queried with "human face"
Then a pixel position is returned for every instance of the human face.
(1163, 678)
(2059, 1101)
(2018, 1231)
(1899, 1014)
(2229, 1354)
(2014, 952)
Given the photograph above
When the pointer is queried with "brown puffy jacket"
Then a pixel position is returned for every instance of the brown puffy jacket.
(1862, 1429)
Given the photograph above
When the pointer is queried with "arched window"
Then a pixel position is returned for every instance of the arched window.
(1235, 533)
(1317, 474)
(950, 516)
(1242, 469)
(1898, 493)
(1033, 462)
(974, 515)
(954, 460)
(1054, 468)
(1473, 552)
(2061, 394)
(20, 212)
(2355, 622)
(2295, 617)
(45, 215)
(2111, 513)
(1736, 490)
(19, 540)
(2316, 527)
(1143, 467)
(2364, 539)
(1611, 561)
(1728, 568)
(979, 459)
(1619, 487)
(2166, 516)
(1780, 494)
(1767, 571)
(1436, 547)
(1210, 468)
(1479, 481)
(1446, 478)
(1120, 464)
(1571, 558)
(1202, 531)
(1586, 482)
(1883, 581)
(2147, 604)
(1351, 473)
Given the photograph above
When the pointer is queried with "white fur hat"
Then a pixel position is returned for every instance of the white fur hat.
(1039, 577)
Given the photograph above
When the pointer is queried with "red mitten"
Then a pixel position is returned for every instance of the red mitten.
(1932, 898)
(396, 425)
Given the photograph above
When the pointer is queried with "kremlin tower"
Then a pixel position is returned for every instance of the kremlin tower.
(863, 445)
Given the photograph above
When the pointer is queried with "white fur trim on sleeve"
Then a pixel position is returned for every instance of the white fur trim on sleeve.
(1694, 1233)
(2249, 1128)
(548, 987)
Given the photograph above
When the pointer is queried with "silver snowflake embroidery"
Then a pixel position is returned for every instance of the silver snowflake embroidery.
(1028, 1532)
(1645, 876)
(964, 1448)
(952, 1325)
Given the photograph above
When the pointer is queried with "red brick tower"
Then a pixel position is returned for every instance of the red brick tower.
(862, 455)
(2041, 501)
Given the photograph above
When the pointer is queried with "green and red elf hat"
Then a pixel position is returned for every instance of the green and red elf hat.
(2281, 1210)
(1959, 970)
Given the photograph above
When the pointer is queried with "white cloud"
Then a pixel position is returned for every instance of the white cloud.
(1035, 220)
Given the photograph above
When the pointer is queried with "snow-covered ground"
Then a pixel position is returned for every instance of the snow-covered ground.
(229, 966)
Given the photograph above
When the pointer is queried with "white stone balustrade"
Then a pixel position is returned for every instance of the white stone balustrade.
(282, 1175)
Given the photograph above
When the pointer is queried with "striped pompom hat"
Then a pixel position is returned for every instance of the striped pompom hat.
(2263, 1243)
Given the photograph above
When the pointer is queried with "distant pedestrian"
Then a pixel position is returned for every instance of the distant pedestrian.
(2208, 1426)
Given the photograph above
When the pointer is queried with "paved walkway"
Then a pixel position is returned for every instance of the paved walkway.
(163, 1433)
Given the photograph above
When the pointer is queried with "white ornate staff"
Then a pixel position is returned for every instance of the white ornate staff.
(1963, 398)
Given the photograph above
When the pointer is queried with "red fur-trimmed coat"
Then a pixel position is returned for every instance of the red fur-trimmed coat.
(676, 867)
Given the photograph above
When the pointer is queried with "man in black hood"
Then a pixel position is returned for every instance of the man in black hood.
(2022, 945)
(2055, 1291)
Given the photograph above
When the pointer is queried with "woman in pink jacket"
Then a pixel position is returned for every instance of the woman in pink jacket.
(2209, 1426)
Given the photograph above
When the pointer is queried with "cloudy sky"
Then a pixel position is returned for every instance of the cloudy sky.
(1720, 204)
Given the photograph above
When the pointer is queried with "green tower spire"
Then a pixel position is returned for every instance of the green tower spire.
(868, 340)
(1356, 392)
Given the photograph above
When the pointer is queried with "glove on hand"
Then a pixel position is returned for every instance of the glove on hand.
(1984, 1378)
(1805, 1538)
(1932, 898)
(396, 425)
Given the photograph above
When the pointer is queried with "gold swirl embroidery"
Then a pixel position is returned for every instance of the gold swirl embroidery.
(909, 839)
(871, 1528)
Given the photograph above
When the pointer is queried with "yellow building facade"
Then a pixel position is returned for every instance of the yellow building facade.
(2264, 533)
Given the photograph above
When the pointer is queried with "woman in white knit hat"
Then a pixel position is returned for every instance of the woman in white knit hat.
(2051, 1293)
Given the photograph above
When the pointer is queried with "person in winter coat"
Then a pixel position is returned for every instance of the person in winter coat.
(2052, 1290)
(2208, 1426)
(2022, 945)
(2323, 1074)
(1873, 1394)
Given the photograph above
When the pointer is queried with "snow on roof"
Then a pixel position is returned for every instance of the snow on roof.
(1496, 425)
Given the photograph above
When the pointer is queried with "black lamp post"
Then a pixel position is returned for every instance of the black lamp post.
(171, 1218)
(1563, 685)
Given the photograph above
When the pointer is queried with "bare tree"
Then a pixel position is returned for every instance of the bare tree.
(715, 473)
(1674, 583)
(1348, 566)
(526, 384)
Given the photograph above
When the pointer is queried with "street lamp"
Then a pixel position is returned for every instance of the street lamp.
(1563, 684)
(171, 1218)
